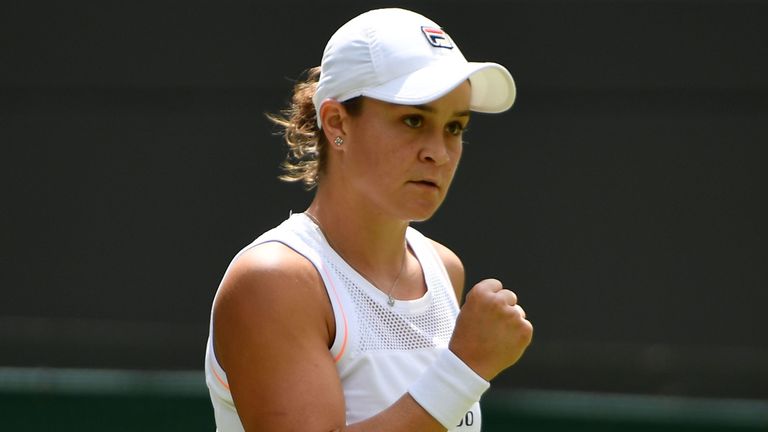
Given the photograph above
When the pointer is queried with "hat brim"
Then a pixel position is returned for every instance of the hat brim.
(493, 88)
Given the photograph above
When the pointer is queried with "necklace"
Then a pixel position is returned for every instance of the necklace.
(390, 299)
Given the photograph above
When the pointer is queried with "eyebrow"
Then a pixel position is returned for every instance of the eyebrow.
(430, 109)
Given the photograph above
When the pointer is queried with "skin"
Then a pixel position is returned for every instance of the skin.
(395, 166)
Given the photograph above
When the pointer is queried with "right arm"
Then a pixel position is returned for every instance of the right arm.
(273, 326)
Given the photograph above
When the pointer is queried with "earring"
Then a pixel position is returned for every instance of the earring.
(338, 141)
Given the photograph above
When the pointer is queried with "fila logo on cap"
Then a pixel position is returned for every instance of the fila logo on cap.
(437, 37)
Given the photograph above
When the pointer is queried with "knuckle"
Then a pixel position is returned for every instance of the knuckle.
(512, 297)
(526, 332)
(522, 311)
(490, 284)
(499, 301)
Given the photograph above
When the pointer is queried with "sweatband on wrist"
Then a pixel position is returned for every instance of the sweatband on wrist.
(448, 389)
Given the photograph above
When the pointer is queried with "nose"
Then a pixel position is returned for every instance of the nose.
(435, 150)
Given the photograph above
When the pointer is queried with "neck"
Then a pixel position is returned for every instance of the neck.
(368, 240)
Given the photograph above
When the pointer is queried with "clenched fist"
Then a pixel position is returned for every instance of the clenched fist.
(491, 331)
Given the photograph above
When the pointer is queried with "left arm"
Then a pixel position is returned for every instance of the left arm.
(454, 267)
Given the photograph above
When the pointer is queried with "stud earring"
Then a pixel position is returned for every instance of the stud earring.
(338, 141)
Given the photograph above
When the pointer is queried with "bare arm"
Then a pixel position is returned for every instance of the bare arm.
(273, 326)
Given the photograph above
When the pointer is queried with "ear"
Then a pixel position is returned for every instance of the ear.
(333, 116)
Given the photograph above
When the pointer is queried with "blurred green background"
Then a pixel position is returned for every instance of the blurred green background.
(122, 401)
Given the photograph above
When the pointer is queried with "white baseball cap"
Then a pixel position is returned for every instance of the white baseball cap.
(401, 57)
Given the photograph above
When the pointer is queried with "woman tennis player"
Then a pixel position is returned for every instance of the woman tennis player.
(343, 317)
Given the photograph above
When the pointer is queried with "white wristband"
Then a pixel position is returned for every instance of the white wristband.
(448, 389)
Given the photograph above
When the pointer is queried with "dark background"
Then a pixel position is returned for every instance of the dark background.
(623, 197)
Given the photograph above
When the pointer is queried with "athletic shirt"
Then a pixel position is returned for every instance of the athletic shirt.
(379, 349)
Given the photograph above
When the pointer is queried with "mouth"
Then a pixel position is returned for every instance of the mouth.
(427, 183)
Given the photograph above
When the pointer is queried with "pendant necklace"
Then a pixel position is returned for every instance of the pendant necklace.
(390, 298)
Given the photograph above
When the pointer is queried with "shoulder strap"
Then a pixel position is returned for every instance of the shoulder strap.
(299, 234)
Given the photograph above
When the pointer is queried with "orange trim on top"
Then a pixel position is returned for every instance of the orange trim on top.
(343, 317)
(216, 374)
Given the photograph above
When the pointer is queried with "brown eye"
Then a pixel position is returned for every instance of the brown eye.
(455, 128)
(413, 121)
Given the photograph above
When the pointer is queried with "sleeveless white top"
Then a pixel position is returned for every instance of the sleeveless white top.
(379, 349)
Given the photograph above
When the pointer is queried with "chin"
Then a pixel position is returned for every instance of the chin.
(422, 214)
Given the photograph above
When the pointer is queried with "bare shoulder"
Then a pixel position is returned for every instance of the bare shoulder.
(270, 270)
(269, 285)
(453, 265)
(272, 326)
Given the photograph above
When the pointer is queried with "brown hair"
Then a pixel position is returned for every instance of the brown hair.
(307, 145)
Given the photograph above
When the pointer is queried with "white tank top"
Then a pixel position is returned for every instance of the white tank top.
(379, 349)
